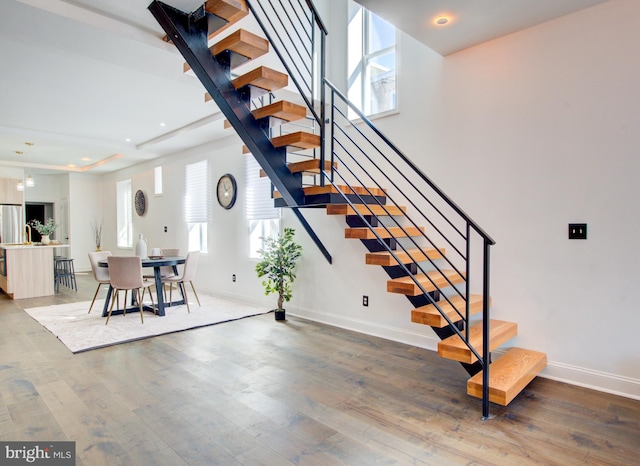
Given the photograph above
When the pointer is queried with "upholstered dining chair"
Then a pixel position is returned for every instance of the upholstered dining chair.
(100, 274)
(188, 272)
(125, 273)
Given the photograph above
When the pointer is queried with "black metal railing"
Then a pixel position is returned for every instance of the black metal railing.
(368, 159)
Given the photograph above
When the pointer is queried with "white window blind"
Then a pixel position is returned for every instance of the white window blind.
(157, 180)
(197, 199)
(259, 204)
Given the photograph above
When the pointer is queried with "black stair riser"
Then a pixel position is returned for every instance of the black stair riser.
(446, 332)
(397, 271)
(354, 221)
(422, 300)
(331, 198)
(249, 93)
(473, 369)
(373, 245)
(230, 60)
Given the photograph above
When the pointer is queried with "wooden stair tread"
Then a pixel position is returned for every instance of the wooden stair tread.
(242, 42)
(262, 77)
(429, 314)
(385, 259)
(308, 167)
(509, 375)
(284, 110)
(330, 189)
(230, 10)
(369, 209)
(299, 139)
(406, 285)
(454, 348)
(393, 232)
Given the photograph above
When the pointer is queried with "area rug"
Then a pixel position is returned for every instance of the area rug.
(80, 331)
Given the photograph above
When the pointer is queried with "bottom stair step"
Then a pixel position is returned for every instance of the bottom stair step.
(500, 331)
(509, 375)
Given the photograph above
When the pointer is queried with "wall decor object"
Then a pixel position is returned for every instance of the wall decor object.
(227, 191)
(140, 203)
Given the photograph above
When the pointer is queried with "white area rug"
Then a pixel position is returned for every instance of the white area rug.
(80, 331)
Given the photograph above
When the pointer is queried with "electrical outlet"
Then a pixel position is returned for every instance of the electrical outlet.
(233, 278)
(365, 301)
(577, 231)
(165, 229)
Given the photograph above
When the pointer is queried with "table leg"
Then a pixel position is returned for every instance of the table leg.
(160, 296)
(107, 300)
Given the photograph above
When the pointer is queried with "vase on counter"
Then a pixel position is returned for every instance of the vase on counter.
(45, 239)
(141, 247)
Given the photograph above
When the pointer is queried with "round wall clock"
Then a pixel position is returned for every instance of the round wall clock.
(140, 203)
(227, 191)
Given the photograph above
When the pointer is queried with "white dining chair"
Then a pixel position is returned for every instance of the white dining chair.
(188, 273)
(100, 274)
(125, 273)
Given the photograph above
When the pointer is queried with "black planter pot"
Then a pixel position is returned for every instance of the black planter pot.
(280, 314)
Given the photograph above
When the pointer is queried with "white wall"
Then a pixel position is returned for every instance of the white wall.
(527, 133)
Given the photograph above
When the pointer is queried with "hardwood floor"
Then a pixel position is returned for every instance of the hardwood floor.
(255, 391)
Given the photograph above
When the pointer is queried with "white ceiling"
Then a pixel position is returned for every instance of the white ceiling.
(80, 77)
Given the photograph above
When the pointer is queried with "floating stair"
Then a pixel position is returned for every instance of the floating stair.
(362, 209)
(263, 78)
(388, 232)
(454, 348)
(282, 110)
(300, 140)
(330, 189)
(431, 281)
(307, 167)
(242, 43)
(509, 375)
(385, 259)
(454, 309)
(230, 10)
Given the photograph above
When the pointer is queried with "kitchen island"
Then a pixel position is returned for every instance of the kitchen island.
(26, 270)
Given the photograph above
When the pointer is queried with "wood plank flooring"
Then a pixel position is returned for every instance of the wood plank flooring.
(257, 392)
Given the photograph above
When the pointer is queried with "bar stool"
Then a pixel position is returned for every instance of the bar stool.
(65, 273)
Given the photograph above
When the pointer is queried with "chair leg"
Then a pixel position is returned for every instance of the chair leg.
(194, 292)
(94, 298)
(124, 308)
(140, 303)
(186, 298)
(113, 301)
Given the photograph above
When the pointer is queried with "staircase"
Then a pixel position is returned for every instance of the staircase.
(433, 253)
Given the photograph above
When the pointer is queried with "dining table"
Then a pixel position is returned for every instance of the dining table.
(156, 263)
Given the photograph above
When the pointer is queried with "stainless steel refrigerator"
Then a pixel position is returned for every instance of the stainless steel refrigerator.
(11, 223)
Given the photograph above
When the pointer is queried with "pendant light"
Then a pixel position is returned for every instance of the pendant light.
(30, 181)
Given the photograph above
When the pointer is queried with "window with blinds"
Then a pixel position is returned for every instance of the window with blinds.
(124, 214)
(262, 217)
(197, 204)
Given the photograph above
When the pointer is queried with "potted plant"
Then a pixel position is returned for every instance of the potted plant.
(45, 229)
(277, 263)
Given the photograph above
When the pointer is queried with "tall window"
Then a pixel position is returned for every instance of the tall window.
(197, 204)
(157, 180)
(262, 217)
(371, 61)
(124, 209)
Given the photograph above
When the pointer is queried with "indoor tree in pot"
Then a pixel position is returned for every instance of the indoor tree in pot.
(277, 263)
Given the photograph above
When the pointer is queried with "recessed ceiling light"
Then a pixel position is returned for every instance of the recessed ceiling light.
(163, 124)
(128, 140)
(86, 159)
(442, 20)
(72, 165)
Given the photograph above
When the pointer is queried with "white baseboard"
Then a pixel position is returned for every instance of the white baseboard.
(583, 377)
